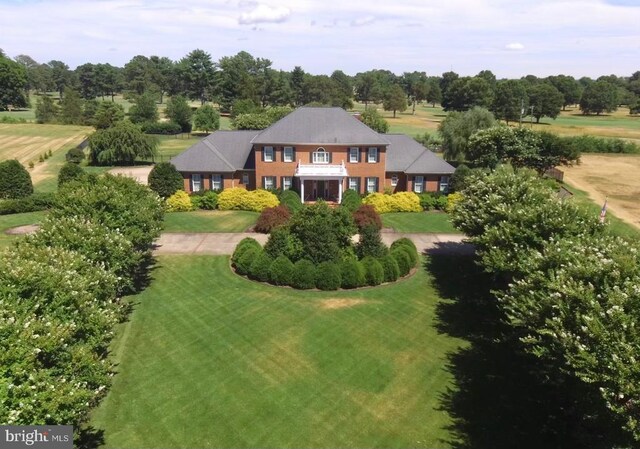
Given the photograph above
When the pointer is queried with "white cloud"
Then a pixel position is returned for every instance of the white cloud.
(362, 21)
(265, 14)
(514, 46)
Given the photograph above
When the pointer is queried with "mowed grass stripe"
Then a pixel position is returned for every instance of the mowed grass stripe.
(214, 360)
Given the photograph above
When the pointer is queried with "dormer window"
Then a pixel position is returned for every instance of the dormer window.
(321, 156)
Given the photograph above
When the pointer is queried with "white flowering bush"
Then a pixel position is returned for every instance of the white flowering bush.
(117, 202)
(101, 245)
(568, 290)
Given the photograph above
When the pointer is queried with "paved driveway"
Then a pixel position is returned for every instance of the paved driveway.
(225, 243)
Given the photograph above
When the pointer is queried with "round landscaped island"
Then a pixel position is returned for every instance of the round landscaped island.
(314, 248)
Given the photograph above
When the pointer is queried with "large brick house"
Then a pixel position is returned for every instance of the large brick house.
(318, 151)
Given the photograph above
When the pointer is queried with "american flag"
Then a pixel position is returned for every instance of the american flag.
(603, 212)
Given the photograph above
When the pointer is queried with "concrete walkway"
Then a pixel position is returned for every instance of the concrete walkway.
(225, 243)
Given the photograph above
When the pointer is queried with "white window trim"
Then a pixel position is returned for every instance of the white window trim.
(284, 182)
(284, 154)
(444, 183)
(213, 187)
(357, 184)
(353, 160)
(193, 182)
(325, 156)
(268, 151)
(375, 185)
(394, 180)
(416, 184)
(264, 182)
(372, 151)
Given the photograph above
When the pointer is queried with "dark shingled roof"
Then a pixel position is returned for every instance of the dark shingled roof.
(319, 126)
(404, 154)
(222, 151)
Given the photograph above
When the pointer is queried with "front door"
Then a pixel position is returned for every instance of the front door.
(320, 193)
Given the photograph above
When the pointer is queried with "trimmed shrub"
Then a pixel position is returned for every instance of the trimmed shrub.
(32, 203)
(179, 202)
(206, 200)
(403, 259)
(352, 273)
(291, 199)
(165, 179)
(452, 200)
(15, 181)
(366, 216)
(75, 155)
(260, 268)
(370, 243)
(106, 247)
(304, 275)
(164, 128)
(373, 271)
(283, 243)
(281, 271)
(244, 262)
(427, 201)
(410, 247)
(390, 268)
(244, 244)
(328, 276)
(441, 202)
(460, 178)
(69, 172)
(398, 202)
(272, 217)
(241, 199)
(351, 200)
(117, 202)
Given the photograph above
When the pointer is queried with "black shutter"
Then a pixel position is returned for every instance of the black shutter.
(293, 154)
(330, 156)
(222, 181)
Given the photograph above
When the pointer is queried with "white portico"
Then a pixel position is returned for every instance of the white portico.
(321, 181)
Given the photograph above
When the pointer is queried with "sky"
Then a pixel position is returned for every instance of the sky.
(512, 38)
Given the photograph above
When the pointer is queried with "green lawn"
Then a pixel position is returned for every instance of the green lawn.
(11, 221)
(210, 359)
(419, 222)
(209, 221)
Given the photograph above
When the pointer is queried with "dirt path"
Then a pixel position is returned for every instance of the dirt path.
(616, 177)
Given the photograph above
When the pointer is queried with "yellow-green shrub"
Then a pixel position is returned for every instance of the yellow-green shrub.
(452, 200)
(241, 199)
(179, 202)
(398, 202)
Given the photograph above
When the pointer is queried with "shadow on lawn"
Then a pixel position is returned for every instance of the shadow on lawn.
(500, 399)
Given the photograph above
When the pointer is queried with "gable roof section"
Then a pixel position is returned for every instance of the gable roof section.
(222, 151)
(404, 154)
(318, 126)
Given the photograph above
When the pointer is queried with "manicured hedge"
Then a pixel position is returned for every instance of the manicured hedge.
(69, 172)
(403, 259)
(291, 200)
(373, 271)
(244, 262)
(179, 202)
(260, 268)
(304, 275)
(241, 199)
(281, 272)
(410, 248)
(207, 200)
(245, 244)
(15, 180)
(353, 274)
(32, 203)
(328, 276)
(398, 202)
(390, 268)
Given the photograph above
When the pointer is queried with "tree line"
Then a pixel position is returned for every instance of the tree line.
(243, 77)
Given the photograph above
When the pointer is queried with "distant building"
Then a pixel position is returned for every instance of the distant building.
(319, 152)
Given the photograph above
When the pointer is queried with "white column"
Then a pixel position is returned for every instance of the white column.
(340, 190)
(302, 190)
